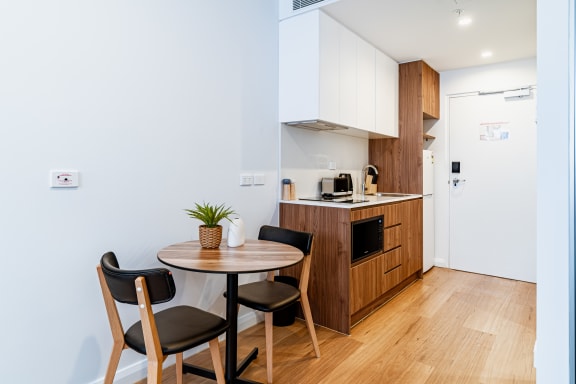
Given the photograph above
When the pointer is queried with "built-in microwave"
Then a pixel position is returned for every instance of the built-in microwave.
(367, 237)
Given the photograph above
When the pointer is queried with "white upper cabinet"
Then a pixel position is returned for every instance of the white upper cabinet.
(326, 73)
(309, 68)
(329, 74)
(348, 78)
(366, 85)
(387, 83)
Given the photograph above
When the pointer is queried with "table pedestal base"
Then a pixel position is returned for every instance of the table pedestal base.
(209, 374)
(244, 364)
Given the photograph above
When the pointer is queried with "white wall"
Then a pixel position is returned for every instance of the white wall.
(485, 78)
(157, 104)
(554, 356)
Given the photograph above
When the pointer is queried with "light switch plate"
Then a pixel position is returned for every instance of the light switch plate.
(246, 179)
(259, 179)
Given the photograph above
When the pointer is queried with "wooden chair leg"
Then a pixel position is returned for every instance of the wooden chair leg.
(269, 327)
(216, 360)
(154, 371)
(179, 362)
(310, 323)
(117, 349)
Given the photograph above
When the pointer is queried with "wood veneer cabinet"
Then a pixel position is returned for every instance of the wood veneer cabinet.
(399, 161)
(341, 293)
(430, 92)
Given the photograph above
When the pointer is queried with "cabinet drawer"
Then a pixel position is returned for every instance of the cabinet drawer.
(392, 237)
(393, 277)
(392, 259)
(392, 215)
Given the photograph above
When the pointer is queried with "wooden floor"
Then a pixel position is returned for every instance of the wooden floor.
(450, 327)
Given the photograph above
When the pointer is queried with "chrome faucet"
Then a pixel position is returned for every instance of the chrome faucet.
(365, 173)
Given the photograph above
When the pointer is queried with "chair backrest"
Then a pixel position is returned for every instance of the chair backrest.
(140, 287)
(159, 281)
(300, 240)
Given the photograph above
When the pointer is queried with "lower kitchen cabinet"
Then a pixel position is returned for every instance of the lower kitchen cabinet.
(341, 293)
(365, 280)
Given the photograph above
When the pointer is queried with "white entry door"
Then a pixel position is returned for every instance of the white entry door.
(493, 197)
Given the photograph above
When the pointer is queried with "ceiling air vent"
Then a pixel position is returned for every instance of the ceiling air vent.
(299, 4)
(289, 8)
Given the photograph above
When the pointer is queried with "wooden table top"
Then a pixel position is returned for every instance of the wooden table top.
(253, 256)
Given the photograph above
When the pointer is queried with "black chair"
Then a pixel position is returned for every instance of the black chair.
(168, 332)
(269, 296)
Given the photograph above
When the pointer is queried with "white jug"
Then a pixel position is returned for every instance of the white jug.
(236, 235)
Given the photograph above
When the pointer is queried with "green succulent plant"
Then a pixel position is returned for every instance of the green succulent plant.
(210, 214)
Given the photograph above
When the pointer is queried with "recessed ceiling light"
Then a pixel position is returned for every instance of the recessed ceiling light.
(463, 21)
(486, 54)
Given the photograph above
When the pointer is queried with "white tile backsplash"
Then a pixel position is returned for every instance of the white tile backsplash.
(308, 180)
(306, 157)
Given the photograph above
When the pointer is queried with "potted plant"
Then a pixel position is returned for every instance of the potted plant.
(210, 232)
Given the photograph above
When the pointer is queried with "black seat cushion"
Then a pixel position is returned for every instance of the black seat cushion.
(267, 296)
(179, 329)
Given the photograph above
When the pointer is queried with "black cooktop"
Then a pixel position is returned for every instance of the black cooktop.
(339, 199)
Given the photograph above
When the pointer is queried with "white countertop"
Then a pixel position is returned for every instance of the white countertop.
(372, 200)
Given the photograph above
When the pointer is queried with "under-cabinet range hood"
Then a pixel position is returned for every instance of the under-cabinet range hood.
(316, 125)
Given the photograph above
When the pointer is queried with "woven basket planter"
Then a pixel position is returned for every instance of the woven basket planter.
(210, 237)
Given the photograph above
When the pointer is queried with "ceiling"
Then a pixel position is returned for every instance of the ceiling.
(409, 30)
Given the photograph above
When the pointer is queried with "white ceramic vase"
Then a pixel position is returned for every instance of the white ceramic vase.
(236, 236)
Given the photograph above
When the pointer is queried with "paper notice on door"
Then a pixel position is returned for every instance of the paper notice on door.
(494, 131)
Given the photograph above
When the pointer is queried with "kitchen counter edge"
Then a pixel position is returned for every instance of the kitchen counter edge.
(372, 200)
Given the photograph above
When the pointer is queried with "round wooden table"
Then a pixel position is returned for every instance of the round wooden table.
(253, 256)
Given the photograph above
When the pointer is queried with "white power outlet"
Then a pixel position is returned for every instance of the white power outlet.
(64, 179)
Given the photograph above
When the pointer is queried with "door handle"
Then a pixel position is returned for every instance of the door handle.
(456, 181)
